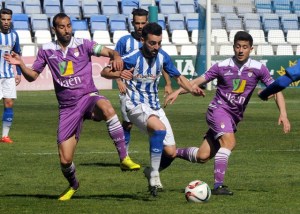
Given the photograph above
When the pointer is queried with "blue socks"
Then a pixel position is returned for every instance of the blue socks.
(7, 118)
(127, 138)
(156, 147)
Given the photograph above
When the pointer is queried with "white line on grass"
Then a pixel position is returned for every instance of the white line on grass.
(137, 152)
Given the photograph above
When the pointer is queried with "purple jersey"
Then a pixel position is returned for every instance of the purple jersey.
(71, 70)
(235, 86)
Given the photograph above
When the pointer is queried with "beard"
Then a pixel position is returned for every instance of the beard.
(64, 39)
(148, 53)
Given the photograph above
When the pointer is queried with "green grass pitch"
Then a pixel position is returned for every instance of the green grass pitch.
(263, 172)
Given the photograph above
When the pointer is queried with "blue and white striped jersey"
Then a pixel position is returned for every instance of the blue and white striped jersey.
(143, 87)
(127, 44)
(8, 42)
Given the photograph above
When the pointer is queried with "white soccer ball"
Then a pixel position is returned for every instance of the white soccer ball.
(197, 191)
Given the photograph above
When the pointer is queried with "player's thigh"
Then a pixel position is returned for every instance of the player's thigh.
(220, 122)
(154, 123)
(8, 88)
(103, 110)
(123, 107)
(169, 139)
(70, 123)
(145, 118)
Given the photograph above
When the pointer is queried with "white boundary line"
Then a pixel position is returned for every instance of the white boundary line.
(137, 152)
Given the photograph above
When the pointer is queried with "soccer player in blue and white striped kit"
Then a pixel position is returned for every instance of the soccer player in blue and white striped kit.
(292, 74)
(144, 69)
(9, 41)
(124, 46)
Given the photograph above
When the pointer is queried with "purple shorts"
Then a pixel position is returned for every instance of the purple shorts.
(219, 122)
(71, 118)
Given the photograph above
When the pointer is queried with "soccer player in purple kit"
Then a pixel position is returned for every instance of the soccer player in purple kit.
(237, 78)
(9, 41)
(69, 60)
(144, 69)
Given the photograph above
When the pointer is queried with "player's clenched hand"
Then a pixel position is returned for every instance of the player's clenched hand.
(170, 99)
(197, 91)
(285, 122)
(127, 74)
(117, 64)
(13, 58)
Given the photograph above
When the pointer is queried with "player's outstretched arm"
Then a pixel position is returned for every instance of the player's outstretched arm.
(195, 83)
(283, 119)
(190, 87)
(278, 85)
(15, 59)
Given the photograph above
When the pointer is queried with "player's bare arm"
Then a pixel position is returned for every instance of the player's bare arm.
(18, 79)
(168, 86)
(15, 59)
(109, 73)
(170, 99)
(117, 61)
(194, 90)
(198, 82)
(283, 119)
(121, 86)
(195, 83)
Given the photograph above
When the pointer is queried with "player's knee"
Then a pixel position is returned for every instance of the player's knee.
(203, 157)
(66, 161)
(109, 112)
(202, 161)
(170, 151)
(169, 154)
(8, 103)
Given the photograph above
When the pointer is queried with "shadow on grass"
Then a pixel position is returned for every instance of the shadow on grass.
(121, 197)
(100, 164)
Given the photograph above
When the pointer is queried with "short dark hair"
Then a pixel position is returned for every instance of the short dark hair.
(6, 11)
(139, 12)
(151, 28)
(244, 36)
(59, 15)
